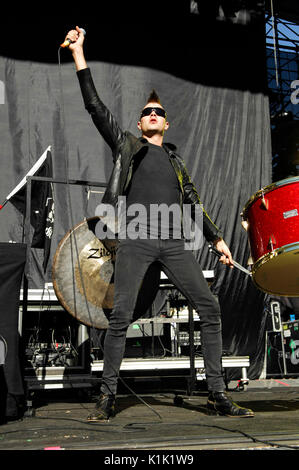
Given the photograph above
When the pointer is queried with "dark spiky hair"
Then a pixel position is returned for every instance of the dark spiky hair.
(153, 97)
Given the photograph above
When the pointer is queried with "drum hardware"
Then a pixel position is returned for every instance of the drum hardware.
(272, 242)
(275, 268)
(212, 249)
(265, 202)
(244, 223)
(291, 213)
(250, 261)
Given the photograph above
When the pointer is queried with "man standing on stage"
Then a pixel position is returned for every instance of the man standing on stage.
(149, 172)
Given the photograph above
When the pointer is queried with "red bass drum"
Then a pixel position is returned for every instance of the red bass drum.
(271, 218)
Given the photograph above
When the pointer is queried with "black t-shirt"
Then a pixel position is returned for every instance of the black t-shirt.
(154, 187)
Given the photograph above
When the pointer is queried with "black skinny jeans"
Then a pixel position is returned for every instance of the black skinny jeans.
(132, 261)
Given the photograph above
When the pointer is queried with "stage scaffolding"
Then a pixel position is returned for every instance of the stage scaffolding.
(282, 55)
(282, 41)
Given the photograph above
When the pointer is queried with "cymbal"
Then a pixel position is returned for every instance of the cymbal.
(83, 276)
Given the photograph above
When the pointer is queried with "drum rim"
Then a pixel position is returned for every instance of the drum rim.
(267, 189)
(268, 256)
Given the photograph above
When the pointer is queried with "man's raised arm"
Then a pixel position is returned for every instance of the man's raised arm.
(101, 116)
(76, 47)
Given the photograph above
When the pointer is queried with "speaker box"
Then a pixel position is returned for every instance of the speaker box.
(283, 350)
(291, 346)
(12, 263)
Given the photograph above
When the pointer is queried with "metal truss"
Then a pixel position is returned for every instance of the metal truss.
(282, 53)
(282, 47)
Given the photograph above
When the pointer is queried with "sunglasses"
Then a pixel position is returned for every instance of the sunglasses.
(148, 111)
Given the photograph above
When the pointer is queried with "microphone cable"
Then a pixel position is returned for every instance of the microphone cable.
(69, 203)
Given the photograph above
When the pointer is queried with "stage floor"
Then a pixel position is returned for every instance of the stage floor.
(59, 422)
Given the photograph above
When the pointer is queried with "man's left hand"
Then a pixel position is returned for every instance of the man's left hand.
(226, 257)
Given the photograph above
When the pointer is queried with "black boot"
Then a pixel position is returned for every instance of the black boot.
(220, 403)
(104, 409)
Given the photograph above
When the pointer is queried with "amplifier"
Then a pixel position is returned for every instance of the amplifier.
(141, 330)
(291, 346)
(282, 355)
(183, 338)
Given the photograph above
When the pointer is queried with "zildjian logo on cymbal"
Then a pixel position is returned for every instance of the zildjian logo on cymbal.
(102, 252)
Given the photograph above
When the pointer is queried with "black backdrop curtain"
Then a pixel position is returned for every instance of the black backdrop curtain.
(214, 93)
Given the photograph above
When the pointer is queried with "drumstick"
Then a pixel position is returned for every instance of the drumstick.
(212, 249)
